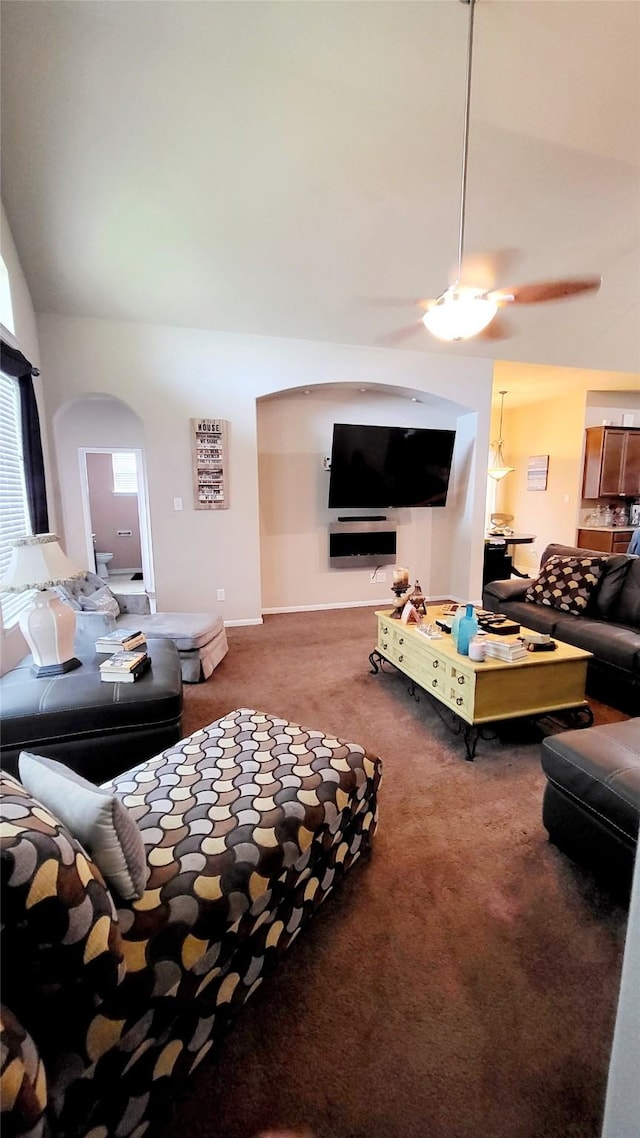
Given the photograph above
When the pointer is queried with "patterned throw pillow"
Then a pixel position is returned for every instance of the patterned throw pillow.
(567, 583)
(102, 600)
(59, 924)
(95, 817)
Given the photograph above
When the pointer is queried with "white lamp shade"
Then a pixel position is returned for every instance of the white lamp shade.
(459, 314)
(498, 468)
(37, 562)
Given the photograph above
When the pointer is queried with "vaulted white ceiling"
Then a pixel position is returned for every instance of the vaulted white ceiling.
(268, 167)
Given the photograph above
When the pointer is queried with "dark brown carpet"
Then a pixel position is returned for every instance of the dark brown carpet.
(463, 982)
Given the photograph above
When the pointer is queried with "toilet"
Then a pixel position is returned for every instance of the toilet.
(102, 563)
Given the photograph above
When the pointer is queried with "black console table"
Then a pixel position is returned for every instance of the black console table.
(498, 561)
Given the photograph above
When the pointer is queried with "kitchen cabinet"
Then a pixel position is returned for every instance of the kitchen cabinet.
(612, 462)
(605, 540)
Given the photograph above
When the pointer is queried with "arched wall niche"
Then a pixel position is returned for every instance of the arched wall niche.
(294, 433)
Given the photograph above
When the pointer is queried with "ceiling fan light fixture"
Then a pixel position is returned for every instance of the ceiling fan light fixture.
(459, 314)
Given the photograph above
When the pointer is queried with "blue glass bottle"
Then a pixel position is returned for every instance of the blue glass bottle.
(455, 623)
(467, 629)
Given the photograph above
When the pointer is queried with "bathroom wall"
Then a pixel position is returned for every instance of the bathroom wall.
(112, 512)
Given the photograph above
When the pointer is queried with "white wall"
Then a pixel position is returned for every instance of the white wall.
(612, 405)
(169, 375)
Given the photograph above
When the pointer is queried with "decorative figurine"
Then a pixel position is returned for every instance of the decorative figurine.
(417, 599)
(402, 595)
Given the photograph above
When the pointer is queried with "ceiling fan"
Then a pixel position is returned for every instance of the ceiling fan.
(467, 307)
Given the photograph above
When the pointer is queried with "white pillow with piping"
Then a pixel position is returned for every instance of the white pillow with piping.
(102, 600)
(95, 817)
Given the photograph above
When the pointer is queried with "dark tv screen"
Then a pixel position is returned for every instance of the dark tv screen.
(382, 467)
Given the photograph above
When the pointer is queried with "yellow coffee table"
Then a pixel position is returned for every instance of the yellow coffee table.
(483, 692)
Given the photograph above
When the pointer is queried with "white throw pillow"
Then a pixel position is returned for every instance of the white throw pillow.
(102, 600)
(95, 817)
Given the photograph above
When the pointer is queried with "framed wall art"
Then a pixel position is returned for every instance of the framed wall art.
(210, 464)
(537, 471)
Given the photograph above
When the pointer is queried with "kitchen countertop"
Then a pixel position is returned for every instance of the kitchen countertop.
(608, 529)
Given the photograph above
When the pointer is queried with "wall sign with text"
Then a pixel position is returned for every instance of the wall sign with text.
(210, 464)
(537, 471)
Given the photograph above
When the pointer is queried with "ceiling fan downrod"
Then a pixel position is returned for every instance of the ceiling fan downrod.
(465, 135)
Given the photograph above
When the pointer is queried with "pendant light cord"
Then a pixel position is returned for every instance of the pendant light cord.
(465, 137)
(502, 395)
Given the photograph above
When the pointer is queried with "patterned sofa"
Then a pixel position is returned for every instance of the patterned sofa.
(247, 825)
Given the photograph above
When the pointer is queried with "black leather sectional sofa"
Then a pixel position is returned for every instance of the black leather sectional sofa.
(610, 628)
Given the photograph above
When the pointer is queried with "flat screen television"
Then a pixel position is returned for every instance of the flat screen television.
(382, 467)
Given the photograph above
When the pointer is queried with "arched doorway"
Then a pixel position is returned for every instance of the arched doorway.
(88, 433)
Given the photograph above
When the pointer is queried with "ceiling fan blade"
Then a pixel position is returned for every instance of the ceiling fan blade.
(399, 335)
(499, 329)
(543, 291)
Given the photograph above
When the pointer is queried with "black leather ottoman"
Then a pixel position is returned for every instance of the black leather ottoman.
(98, 729)
(591, 805)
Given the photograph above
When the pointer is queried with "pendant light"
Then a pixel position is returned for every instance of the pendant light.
(498, 468)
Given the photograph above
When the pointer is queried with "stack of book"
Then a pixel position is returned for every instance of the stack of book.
(508, 650)
(124, 667)
(126, 638)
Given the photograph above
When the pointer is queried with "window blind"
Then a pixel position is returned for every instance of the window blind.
(125, 473)
(14, 515)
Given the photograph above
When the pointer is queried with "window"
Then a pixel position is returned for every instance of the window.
(6, 307)
(125, 473)
(14, 516)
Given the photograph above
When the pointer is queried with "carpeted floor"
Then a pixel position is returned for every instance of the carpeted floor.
(463, 982)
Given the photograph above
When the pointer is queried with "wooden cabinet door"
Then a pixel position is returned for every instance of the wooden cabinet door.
(613, 449)
(630, 474)
(599, 540)
(620, 542)
(592, 462)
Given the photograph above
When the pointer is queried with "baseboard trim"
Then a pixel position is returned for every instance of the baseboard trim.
(384, 603)
(330, 605)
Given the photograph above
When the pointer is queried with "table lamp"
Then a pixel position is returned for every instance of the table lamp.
(48, 624)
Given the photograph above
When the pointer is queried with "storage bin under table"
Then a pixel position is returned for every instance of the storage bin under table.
(94, 727)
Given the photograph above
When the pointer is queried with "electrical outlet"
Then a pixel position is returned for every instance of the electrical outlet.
(220, 594)
(377, 576)
(177, 503)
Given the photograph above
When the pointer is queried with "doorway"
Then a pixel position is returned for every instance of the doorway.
(116, 518)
